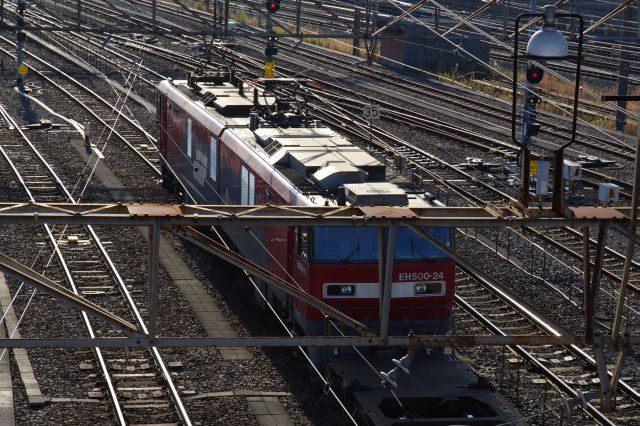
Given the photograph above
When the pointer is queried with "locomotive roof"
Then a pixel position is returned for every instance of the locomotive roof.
(314, 159)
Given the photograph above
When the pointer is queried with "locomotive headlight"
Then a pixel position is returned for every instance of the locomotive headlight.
(341, 290)
(347, 290)
(422, 289)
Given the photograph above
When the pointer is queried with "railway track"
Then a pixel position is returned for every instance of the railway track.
(90, 272)
(426, 161)
(565, 368)
(607, 146)
(110, 117)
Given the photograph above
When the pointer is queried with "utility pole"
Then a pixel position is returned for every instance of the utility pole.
(153, 17)
(356, 32)
(21, 38)
(226, 18)
(623, 73)
(298, 9)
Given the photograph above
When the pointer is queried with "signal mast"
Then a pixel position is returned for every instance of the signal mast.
(271, 50)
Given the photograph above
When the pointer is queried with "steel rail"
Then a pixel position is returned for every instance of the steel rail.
(67, 273)
(347, 63)
(395, 140)
(557, 381)
(87, 108)
(539, 322)
(173, 391)
(482, 141)
(578, 256)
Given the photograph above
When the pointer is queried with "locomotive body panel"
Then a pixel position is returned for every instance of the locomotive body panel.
(218, 159)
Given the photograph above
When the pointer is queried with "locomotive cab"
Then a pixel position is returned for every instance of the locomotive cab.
(341, 267)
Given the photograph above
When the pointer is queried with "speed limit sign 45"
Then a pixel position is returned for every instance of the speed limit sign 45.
(371, 112)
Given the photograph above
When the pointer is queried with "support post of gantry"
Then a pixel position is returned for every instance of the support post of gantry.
(525, 172)
(617, 371)
(381, 265)
(594, 288)
(389, 254)
(601, 365)
(623, 73)
(586, 268)
(154, 264)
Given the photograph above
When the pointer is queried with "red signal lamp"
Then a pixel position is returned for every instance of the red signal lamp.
(534, 74)
(273, 6)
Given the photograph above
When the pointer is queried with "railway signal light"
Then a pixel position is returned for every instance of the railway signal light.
(273, 6)
(533, 99)
(534, 74)
(531, 128)
(270, 50)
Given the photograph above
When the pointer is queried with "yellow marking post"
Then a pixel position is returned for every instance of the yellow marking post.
(533, 167)
(270, 69)
(22, 69)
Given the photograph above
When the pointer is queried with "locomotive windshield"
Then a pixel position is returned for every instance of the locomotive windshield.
(360, 245)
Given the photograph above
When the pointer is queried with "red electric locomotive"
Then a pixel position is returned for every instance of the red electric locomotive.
(224, 147)
(220, 145)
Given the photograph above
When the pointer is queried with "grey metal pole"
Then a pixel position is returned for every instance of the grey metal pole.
(381, 265)
(153, 15)
(20, 39)
(154, 263)
(79, 12)
(594, 288)
(356, 32)
(504, 19)
(617, 320)
(623, 73)
(586, 268)
(298, 9)
(388, 282)
(226, 18)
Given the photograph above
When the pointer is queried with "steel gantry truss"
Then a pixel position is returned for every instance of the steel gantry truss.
(184, 220)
